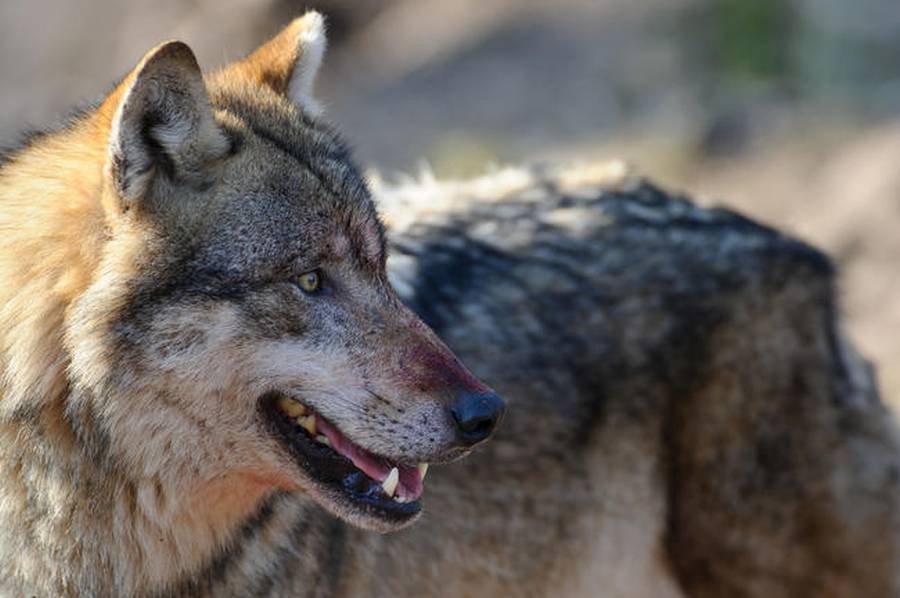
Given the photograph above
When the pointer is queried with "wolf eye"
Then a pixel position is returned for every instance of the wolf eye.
(309, 282)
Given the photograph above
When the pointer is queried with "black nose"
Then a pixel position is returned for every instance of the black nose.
(477, 415)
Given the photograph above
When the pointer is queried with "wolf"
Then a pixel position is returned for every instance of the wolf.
(196, 318)
(219, 378)
(687, 416)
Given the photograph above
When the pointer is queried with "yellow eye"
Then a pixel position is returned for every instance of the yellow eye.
(310, 281)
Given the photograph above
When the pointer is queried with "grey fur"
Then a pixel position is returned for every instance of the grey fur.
(699, 343)
(686, 416)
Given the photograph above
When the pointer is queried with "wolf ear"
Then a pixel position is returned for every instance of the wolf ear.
(163, 123)
(288, 62)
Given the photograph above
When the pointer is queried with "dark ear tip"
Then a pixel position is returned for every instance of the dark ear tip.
(171, 52)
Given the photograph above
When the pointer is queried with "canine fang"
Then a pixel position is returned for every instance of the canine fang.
(390, 483)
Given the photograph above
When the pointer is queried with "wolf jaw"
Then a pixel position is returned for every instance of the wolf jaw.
(350, 474)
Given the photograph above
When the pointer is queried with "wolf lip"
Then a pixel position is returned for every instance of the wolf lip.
(370, 481)
(408, 485)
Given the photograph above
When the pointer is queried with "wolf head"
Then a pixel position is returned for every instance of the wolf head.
(238, 331)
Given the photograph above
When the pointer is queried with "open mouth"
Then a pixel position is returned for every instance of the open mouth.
(372, 483)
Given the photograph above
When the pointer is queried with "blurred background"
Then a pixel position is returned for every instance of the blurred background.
(788, 110)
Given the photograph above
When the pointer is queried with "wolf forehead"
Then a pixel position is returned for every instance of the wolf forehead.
(289, 188)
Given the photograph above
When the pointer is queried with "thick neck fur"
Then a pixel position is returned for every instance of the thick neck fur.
(70, 522)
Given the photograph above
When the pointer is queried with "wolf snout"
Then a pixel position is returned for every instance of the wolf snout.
(477, 415)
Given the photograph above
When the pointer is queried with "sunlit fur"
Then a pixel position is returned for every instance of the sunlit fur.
(686, 417)
(149, 258)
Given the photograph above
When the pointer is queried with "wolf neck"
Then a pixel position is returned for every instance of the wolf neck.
(76, 524)
(53, 225)
(52, 231)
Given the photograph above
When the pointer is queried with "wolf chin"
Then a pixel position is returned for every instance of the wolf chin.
(210, 385)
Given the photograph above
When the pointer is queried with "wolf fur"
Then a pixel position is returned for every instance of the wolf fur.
(687, 418)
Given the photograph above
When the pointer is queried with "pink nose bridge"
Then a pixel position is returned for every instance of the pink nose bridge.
(428, 365)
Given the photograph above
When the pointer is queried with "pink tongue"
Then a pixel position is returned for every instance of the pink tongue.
(377, 468)
(410, 486)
